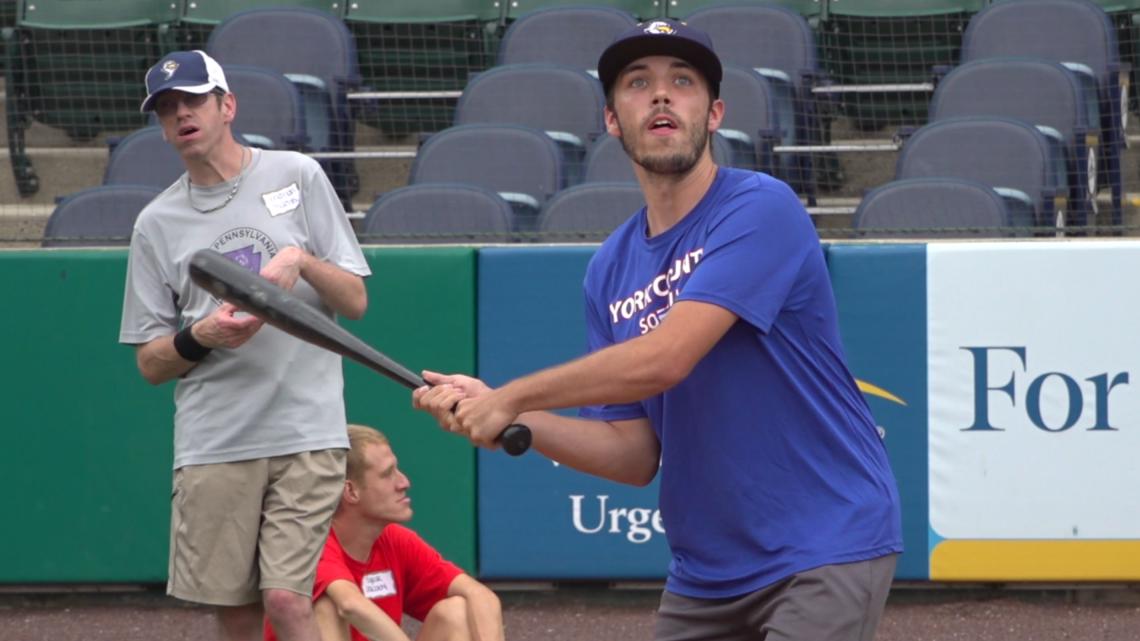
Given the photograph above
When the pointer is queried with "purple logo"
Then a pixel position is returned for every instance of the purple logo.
(247, 257)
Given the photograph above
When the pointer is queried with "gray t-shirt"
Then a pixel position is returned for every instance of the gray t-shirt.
(275, 394)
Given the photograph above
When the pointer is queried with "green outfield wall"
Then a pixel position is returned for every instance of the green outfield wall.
(85, 442)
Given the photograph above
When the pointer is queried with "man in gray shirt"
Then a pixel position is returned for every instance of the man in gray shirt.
(259, 429)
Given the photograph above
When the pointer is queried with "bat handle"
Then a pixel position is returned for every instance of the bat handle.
(515, 440)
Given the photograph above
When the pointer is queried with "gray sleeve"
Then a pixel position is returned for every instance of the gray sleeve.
(149, 310)
(330, 231)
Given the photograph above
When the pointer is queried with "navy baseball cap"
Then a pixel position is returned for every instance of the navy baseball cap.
(189, 71)
(661, 37)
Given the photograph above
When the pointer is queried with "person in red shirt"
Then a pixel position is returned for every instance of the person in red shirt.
(374, 570)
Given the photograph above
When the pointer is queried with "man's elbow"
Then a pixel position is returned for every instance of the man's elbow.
(349, 609)
(357, 305)
(150, 374)
(640, 476)
(668, 372)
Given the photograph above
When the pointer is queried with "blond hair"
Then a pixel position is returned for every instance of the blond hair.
(360, 436)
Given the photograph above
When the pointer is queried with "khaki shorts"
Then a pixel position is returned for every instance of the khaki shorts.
(239, 528)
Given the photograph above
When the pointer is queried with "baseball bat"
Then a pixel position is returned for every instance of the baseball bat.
(233, 283)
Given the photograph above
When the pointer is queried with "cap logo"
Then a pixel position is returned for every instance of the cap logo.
(660, 27)
(169, 68)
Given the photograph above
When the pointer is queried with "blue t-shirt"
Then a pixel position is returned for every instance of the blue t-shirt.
(770, 461)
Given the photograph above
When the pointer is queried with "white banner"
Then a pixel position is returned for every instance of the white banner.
(1034, 374)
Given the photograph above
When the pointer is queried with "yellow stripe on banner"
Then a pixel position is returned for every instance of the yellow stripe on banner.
(1018, 560)
(875, 390)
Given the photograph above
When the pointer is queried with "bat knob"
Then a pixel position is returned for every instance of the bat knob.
(515, 440)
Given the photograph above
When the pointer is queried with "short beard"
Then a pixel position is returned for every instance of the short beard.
(675, 164)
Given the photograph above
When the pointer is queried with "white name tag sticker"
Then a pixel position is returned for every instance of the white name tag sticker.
(282, 201)
(378, 585)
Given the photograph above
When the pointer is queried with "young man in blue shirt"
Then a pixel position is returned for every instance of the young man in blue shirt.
(715, 357)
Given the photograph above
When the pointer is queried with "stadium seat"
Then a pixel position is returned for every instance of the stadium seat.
(606, 160)
(938, 208)
(1011, 156)
(520, 163)
(438, 213)
(79, 70)
(143, 158)
(755, 119)
(214, 12)
(1074, 32)
(643, 9)
(810, 9)
(589, 212)
(416, 46)
(270, 112)
(316, 53)
(1040, 92)
(97, 217)
(565, 102)
(574, 36)
(780, 45)
(886, 42)
(1125, 16)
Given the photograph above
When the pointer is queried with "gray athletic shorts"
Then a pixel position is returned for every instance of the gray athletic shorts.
(240, 528)
(831, 603)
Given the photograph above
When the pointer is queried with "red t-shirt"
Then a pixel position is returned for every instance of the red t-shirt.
(403, 574)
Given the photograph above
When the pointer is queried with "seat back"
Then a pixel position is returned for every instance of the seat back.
(552, 98)
(933, 207)
(1030, 89)
(589, 211)
(434, 213)
(896, 9)
(101, 216)
(112, 14)
(269, 107)
(143, 158)
(999, 152)
(753, 108)
(508, 159)
(643, 9)
(212, 12)
(291, 40)
(760, 36)
(1059, 30)
(806, 8)
(574, 36)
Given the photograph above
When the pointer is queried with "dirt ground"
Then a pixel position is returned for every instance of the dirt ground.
(593, 613)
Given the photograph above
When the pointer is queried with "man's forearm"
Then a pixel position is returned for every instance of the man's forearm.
(159, 362)
(341, 290)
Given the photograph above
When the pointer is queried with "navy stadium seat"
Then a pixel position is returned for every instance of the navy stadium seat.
(270, 113)
(143, 158)
(1041, 92)
(778, 43)
(565, 102)
(938, 208)
(316, 52)
(438, 213)
(521, 164)
(1011, 156)
(102, 216)
(574, 36)
(1074, 32)
(589, 211)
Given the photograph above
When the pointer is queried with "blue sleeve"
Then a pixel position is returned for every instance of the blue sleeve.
(753, 254)
(599, 335)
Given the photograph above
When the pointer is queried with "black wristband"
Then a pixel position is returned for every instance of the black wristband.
(188, 347)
